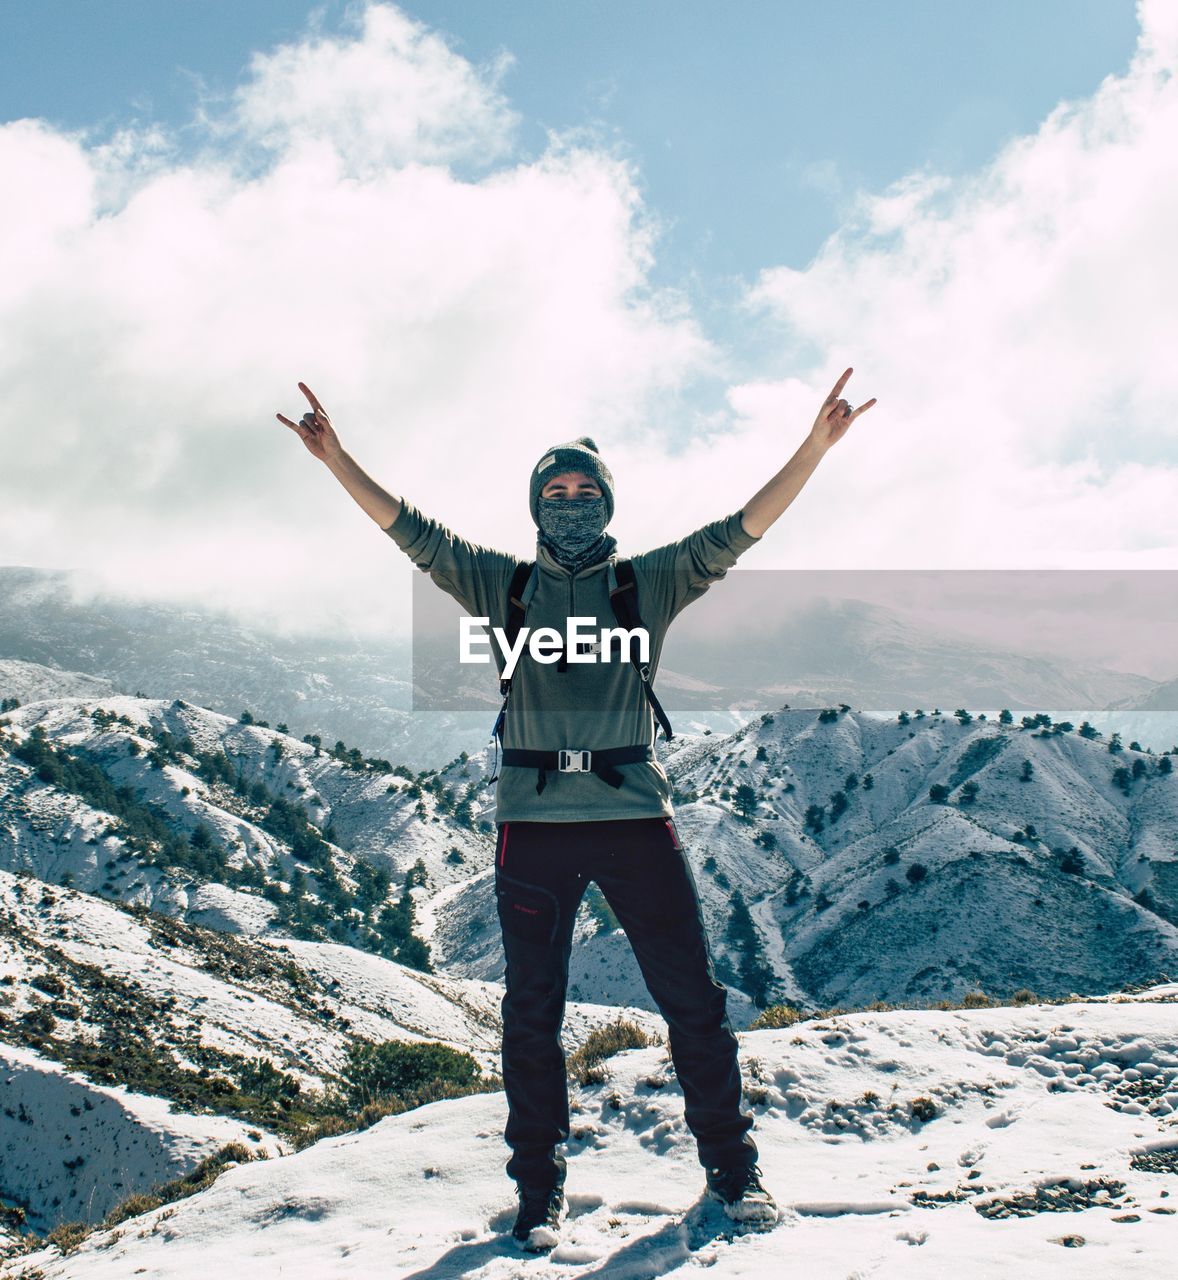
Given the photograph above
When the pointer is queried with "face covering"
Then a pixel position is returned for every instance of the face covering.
(573, 531)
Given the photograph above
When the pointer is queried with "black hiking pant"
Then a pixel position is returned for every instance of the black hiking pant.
(541, 871)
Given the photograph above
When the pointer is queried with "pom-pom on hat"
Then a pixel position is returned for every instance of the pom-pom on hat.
(577, 455)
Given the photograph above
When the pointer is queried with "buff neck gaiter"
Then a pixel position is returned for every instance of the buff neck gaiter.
(573, 531)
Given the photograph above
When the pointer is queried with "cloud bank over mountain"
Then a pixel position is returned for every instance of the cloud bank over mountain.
(360, 214)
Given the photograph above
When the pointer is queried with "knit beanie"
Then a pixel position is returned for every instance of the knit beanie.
(577, 455)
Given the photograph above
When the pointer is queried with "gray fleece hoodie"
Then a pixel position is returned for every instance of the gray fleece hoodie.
(588, 705)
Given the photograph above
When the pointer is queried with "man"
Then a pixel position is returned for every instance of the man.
(582, 797)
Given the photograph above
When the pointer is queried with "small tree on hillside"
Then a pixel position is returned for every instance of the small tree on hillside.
(753, 972)
(745, 800)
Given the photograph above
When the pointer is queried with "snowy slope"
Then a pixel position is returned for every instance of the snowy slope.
(380, 819)
(51, 832)
(30, 681)
(839, 917)
(836, 916)
(976, 1144)
(74, 1149)
(186, 993)
(976, 919)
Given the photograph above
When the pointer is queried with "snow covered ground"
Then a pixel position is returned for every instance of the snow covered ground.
(72, 1149)
(975, 1143)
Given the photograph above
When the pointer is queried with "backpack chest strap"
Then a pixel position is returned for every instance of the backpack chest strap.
(576, 760)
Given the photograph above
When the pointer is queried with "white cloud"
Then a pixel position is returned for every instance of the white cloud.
(155, 313)
(394, 95)
(1018, 329)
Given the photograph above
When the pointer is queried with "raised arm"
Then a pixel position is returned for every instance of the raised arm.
(317, 433)
(477, 577)
(830, 425)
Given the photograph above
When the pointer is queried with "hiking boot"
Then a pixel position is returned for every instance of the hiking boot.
(541, 1211)
(739, 1190)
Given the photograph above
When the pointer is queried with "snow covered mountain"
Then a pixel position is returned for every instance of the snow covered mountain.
(901, 1145)
(359, 688)
(337, 686)
(200, 914)
(1050, 863)
(840, 858)
(925, 856)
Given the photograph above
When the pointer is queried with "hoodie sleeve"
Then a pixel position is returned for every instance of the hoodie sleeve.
(680, 572)
(477, 577)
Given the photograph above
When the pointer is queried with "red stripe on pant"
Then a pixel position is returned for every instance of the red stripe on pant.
(503, 846)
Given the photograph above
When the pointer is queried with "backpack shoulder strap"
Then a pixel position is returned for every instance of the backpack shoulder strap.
(623, 595)
(517, 600)
(623, 598)
(519, 593)
(518, 597)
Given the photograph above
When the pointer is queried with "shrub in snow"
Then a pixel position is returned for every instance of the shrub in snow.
(775, 1017)
(584, 1066)
(400, 1067)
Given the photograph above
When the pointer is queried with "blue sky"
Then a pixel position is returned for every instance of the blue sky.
(748, 122)
(477, 229)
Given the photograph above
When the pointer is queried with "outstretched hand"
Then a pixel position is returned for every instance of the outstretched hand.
(836, 415)
(314, 428)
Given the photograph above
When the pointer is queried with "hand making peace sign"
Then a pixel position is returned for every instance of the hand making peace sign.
(836, 415)
(314, 428)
